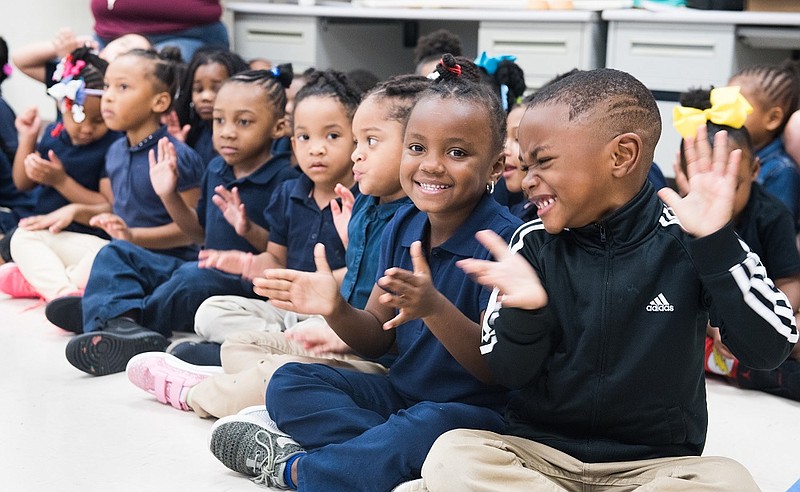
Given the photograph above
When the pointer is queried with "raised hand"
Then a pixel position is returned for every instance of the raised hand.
(232, 208)
(164, 169)
(55, 221)
(48, 172)
(712, 177)
(174, 127)
(113, 225)
(341, 214)
(29, 123)
(517, 282)
(412, 293)
(317, 338)
(301, 292)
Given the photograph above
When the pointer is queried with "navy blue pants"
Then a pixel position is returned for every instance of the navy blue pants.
(166, 290)
(360, 433)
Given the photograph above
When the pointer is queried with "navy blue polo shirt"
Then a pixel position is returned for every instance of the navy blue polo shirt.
(296, 222)
(364, 232)
(8, 130)
(11, 197)
(255, 191)
(83, 163)
(424, 370)
(135, 201)
(203, 143)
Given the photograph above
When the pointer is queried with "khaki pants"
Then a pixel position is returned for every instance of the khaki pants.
(218, 317)
(249, 360)
(55, 264)
(479, 460)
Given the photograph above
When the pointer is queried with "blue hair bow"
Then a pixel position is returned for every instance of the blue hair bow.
(490, 64)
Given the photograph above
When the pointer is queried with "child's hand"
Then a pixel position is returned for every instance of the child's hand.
(174, 126)
(55, 221)
(301, 292)
(232, 208)
(517, 282)
(317, 338)
(29, 123)
(719, 347)
(113, 225)
(712, 180)
(233, 262)
(341, 215)
(164, 171)
(412, 293)
(42, 171)
(65, 42)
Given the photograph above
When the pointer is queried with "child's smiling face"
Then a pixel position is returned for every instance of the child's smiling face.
(566, 175)
(448, 157)
(512, 173)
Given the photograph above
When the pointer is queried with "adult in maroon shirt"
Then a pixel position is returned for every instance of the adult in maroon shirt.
(187, 24)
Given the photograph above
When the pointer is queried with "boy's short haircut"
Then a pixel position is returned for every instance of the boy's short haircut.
(625, 104)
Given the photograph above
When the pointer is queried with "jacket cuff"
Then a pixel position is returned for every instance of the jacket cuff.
(717, 252)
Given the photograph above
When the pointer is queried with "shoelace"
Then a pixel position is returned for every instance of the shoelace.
(266, 466)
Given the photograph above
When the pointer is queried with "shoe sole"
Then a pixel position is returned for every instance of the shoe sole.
(100, 353)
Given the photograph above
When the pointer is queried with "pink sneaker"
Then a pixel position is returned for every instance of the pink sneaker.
(14, 284)
(166, 377)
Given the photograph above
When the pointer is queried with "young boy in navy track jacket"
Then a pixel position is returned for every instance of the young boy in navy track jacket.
(612, 393)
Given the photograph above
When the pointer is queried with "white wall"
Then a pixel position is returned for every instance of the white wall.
(26, 21)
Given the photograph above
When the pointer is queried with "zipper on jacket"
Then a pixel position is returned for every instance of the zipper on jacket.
(602, 232)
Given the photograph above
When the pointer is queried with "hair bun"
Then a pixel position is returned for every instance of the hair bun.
(171, 53)
(284, 73)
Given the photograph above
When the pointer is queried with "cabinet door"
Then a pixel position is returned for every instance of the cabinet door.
(671, 57)
(544, 49)
(280, 39)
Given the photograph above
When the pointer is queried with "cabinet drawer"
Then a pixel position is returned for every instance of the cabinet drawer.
(279, 39)
(543, 50)
(671, 57)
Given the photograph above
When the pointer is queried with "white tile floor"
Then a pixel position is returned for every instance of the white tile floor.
(62, 430)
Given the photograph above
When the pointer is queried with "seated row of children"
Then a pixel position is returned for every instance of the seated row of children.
(421, 141)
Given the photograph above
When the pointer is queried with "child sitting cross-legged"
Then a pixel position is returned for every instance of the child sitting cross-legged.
(139, 297)
(299, 213)
(422, 305)
(599, 313)
(256, 343)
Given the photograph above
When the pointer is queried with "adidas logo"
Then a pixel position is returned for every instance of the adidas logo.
(660, 303)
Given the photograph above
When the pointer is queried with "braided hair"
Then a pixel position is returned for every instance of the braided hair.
(777, 85)
(233, 64)
(459, 78)
(167, 67)
(510, 75)
(274, 82)
(401, 93)
(94, 69)
(701, 99)
(330, 83)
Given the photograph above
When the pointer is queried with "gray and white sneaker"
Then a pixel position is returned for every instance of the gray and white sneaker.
(252, 445)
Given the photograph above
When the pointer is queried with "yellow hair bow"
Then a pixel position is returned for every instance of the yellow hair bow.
(728, 107)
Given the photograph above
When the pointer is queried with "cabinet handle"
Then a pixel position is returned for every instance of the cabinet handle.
(672, 48)
(273, 36)
(544, 46)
